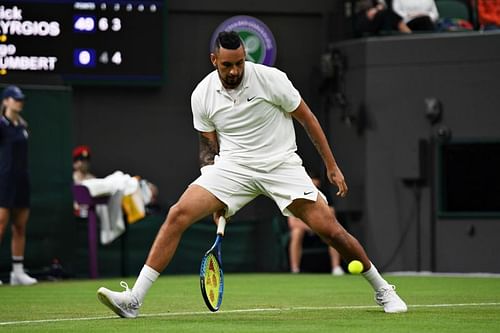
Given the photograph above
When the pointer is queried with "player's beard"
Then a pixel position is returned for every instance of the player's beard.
(231, 81)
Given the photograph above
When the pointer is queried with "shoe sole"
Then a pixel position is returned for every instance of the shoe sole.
(397, 311)
(103, 298)
(402, 310)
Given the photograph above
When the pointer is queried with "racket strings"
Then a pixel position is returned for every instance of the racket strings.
(212, 280)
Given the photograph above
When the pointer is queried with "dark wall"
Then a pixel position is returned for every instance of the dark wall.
(391, 77)
(148, 130)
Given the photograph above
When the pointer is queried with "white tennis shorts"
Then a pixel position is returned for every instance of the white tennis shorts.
(236, 185)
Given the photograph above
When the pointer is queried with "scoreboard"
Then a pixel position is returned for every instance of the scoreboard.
(83, 41)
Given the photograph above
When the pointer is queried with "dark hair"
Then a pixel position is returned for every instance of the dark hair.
(228, 39)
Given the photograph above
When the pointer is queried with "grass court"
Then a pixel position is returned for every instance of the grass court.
(260, 303)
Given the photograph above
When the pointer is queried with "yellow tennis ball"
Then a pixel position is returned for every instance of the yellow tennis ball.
(355, 267)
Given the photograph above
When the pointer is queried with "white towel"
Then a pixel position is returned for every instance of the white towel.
(110, 215)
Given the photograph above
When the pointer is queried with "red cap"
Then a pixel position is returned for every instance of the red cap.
(81, 152)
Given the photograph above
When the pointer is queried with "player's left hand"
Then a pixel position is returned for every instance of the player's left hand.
(336, 177)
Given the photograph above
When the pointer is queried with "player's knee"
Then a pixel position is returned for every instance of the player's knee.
(340, 237)
(335, 233)
(178, 217)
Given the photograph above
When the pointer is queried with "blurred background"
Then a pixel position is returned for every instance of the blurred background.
(413, 118)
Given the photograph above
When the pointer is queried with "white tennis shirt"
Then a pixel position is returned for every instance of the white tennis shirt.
(253, 122)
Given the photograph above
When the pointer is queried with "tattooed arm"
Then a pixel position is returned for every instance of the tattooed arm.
(311, 124)
(209, 147)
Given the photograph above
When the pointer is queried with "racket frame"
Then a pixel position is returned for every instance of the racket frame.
(216, 250)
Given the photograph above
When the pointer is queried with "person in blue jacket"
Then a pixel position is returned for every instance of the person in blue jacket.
(14, 179)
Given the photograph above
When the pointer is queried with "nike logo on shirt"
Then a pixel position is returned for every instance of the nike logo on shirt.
(307, 193)
(249, 99)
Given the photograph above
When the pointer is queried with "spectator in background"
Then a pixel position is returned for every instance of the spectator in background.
(419, 15)
(488, 14)
(297, 231)
(373, 17)
(81, 164)
(14, 179)
(81, 172)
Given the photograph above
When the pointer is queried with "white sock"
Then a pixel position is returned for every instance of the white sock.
(145, 280)
(17, 264)
(374, 278)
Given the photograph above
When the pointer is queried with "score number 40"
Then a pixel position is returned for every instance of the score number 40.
(87, 24)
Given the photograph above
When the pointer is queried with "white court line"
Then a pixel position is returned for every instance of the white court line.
(305, 308)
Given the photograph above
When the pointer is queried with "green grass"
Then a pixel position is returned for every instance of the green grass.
(268, 303)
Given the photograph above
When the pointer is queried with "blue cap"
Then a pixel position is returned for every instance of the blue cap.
(14, 92)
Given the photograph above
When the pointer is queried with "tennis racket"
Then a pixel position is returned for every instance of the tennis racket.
(211, 275)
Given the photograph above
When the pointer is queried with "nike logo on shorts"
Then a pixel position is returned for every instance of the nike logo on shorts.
(249, 99)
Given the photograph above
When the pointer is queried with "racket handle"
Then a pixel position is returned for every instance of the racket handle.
(221, 226)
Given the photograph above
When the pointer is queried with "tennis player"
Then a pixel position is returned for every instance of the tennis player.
(14, 179)
(244, 114)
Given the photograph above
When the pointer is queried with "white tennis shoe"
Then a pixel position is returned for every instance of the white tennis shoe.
(124, 303)
(21, 279)
(389, 299)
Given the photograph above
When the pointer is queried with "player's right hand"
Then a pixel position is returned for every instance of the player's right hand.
(218, 214)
